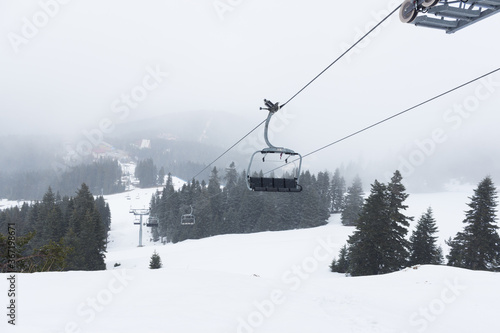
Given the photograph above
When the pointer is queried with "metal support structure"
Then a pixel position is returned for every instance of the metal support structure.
(140, 213)
(450, 16)
(271, 148)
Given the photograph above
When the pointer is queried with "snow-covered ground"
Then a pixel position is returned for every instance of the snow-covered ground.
(4, 203)
(263, 282)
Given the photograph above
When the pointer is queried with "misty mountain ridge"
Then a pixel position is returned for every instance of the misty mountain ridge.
(198, 137)
(207, 127)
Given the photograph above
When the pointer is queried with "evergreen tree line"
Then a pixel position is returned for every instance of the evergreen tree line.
(58, 233)
(181, 158)
(148, 174)
(379, 244)
(235, 209)
(346, 201)
(102, 176)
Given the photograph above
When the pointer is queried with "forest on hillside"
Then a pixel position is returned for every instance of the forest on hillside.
(102, 176)
(380, 244)
(235, 209)
(56, 233)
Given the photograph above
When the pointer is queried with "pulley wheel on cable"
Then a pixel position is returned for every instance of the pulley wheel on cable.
(429, 3)
(408, 12)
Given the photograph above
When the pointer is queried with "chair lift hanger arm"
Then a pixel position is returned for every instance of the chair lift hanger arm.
(271, 184)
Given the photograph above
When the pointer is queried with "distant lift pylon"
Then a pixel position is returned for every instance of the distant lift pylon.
(271, 184)
(450, 16)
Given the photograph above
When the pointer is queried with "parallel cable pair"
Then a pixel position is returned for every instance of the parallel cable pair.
(363, 129)
(302, 89)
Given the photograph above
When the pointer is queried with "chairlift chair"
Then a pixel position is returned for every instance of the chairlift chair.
(273, 184)
(152, 222)
(188, 219)
(137, 220)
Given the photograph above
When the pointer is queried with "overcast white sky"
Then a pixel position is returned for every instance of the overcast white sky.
(71, 72)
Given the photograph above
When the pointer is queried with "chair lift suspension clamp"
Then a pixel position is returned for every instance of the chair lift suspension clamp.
(271, 107)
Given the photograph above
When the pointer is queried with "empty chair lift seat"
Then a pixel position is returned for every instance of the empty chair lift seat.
(274, 184)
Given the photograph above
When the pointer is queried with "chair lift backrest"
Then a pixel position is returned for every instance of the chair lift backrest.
(152, 222)
(188, 219)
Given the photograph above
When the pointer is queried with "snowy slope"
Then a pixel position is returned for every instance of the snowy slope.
(264, 282)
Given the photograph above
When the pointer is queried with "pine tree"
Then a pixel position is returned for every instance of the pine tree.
(214, 197)
(397, 243)
(169, 186)
(104, 212)
(87, 233)
(378, 245)
(49, 257)
(155, 262)
(423, 248)
(161, 176)
(342, 264)
(337, 190)
(56, 228)
(309, 205)
(478, 246)
(353, 203)
(322, 188)
(231, 198)
(457, 245)
(231, 176)
(93, 242)
(45, 223)
(147, 173)
(365, 255)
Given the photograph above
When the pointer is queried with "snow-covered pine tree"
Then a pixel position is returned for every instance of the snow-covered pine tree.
(423, 248)
(478, 246)
(353, 203)
(337, 192)
(155, 262)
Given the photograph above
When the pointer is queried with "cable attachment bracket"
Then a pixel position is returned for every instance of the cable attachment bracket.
(271, 107)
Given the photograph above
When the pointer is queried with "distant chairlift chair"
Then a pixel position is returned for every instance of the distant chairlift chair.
(271, 184)
(188, 219)
(152, 222)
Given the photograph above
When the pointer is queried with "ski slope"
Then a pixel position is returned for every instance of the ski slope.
(264, 282)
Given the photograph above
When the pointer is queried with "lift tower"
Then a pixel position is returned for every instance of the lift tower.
(140, 213)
